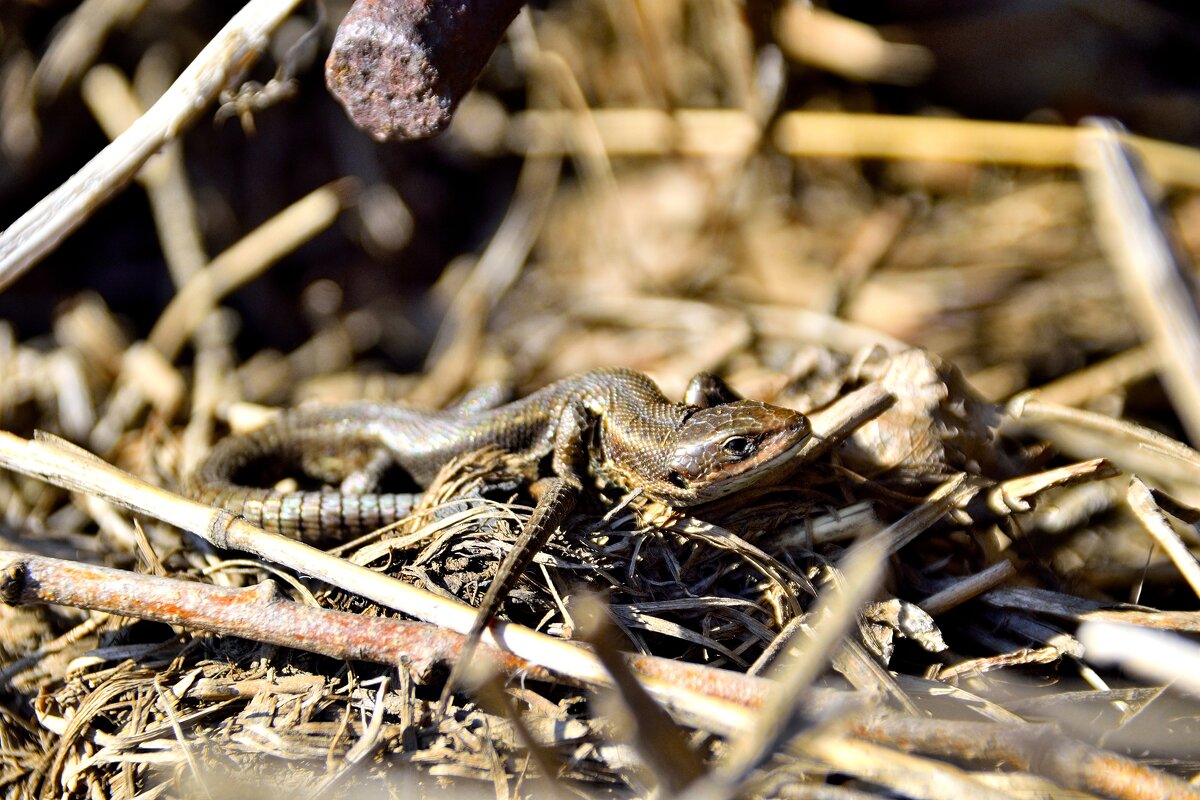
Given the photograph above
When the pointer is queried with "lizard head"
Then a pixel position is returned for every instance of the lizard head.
(722, 449)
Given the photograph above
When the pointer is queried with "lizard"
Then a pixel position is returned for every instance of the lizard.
(615, 424)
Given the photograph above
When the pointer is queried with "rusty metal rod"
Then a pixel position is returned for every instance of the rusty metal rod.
(400, 67)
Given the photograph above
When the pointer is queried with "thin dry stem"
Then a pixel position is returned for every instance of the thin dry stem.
(848, 47)
(78, 41)
(725, 133)
(1015, 494)
(1102, 378)
(245, 260)
(906, 774)
(1134, 447)
(954, 492)
(962, 591)
(1157, 656)
(834, 614)
(1159, 527)
(238, 44)
(1041, 749)
(815, 133)
(164, 176)
(1154, 270)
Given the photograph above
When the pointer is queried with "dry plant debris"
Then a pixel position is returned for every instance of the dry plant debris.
(980, 580)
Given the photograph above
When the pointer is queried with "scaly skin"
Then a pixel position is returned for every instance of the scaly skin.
(672, 451)
(614, 423)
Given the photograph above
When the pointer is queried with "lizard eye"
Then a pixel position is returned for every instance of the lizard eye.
(738, 446)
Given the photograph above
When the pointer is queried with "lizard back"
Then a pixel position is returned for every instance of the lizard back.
(636, 438)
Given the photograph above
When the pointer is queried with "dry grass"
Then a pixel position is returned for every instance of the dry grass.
(980, 581)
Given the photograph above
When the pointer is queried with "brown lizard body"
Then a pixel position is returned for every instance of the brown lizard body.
(614, 423)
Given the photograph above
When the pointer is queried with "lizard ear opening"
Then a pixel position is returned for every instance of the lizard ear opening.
(676, 480)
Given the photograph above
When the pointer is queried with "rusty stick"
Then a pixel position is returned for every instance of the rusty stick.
(400, 67)
(258, 613)
(261, 615)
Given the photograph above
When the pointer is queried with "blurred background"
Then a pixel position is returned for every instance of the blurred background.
(991, 265)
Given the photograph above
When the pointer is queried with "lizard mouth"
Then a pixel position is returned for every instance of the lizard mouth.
(775, 461)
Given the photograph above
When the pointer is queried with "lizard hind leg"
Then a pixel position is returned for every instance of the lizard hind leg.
(365, 478)
(355, 470)
(485, 397)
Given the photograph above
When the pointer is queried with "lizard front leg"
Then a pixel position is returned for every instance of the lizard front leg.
(706, 390)
(556, 497)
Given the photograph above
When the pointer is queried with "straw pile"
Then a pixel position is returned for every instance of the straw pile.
(979, 581)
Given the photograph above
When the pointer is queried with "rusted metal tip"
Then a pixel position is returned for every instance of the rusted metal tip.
(400, 67)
